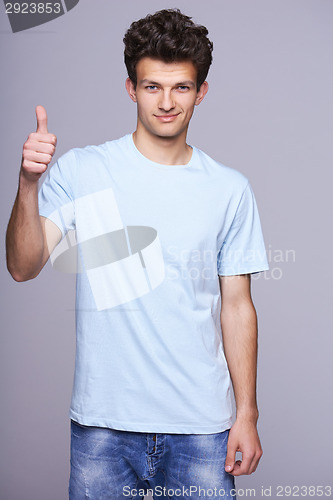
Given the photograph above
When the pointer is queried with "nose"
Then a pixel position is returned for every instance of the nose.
(166, 101)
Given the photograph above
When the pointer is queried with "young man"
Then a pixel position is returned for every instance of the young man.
(167, 239)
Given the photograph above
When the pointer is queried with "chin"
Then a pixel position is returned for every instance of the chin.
(168, 134)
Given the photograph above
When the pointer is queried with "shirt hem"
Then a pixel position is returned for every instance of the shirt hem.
(252, 270)
(163, 428)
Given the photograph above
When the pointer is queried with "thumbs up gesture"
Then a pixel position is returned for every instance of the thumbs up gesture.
(38, 148)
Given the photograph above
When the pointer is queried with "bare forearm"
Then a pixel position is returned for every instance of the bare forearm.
(239, 327)
(26, 247)
(240, 338)
(24, 238)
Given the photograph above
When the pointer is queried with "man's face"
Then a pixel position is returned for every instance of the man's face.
(166, 94)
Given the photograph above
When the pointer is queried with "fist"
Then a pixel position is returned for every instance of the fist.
(38, 149)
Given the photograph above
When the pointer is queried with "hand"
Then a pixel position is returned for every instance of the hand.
(243, 436)
(38, 148)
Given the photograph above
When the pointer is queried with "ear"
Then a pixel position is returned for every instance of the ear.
(201, 93)
(130, 89)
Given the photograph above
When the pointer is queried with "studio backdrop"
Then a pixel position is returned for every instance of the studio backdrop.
(268, 114)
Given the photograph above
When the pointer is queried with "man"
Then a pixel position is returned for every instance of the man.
(167, 239)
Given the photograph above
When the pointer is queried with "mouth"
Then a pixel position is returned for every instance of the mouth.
(166, 118)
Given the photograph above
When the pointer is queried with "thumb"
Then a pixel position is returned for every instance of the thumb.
(230, 458)
(41, 116)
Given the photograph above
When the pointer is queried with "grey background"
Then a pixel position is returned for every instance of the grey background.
(269, 114)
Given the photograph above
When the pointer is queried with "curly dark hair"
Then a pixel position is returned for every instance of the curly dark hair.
(170, 36)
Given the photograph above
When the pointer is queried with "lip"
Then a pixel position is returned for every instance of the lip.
(166, 118)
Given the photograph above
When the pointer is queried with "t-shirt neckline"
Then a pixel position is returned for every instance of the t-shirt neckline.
(160, 166)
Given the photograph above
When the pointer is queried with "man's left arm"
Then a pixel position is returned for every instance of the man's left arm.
(240, 336)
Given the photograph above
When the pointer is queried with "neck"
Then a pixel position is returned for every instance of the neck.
(164, 150)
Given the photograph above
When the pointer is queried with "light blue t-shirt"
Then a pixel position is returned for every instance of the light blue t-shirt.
(151, 241)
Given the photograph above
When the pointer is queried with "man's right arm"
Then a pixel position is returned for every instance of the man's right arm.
(30, 238)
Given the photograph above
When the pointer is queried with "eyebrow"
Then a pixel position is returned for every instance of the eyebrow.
(188, 83)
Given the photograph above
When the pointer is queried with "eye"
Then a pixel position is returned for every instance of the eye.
(183, 88)
(151, 87)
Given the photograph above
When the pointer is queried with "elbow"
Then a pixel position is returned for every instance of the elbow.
(22, 268)
(19, 276)
(15, 276)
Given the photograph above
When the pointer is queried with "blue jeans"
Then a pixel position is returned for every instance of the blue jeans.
(108, 464)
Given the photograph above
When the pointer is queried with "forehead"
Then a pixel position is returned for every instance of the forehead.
(165, 72)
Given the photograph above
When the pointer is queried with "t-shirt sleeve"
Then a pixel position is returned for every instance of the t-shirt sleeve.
(243, 250)
(55, 197)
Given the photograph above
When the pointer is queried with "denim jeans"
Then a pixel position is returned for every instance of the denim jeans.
(108, 464)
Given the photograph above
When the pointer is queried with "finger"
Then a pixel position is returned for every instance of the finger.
(47, 138)
(253, 466)
(40, 147)
(36, 157)
(245, 465)
(230, 458)
(41, 116)
(236, 469)
(241, 467)
(34, 168)
(254, 463)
